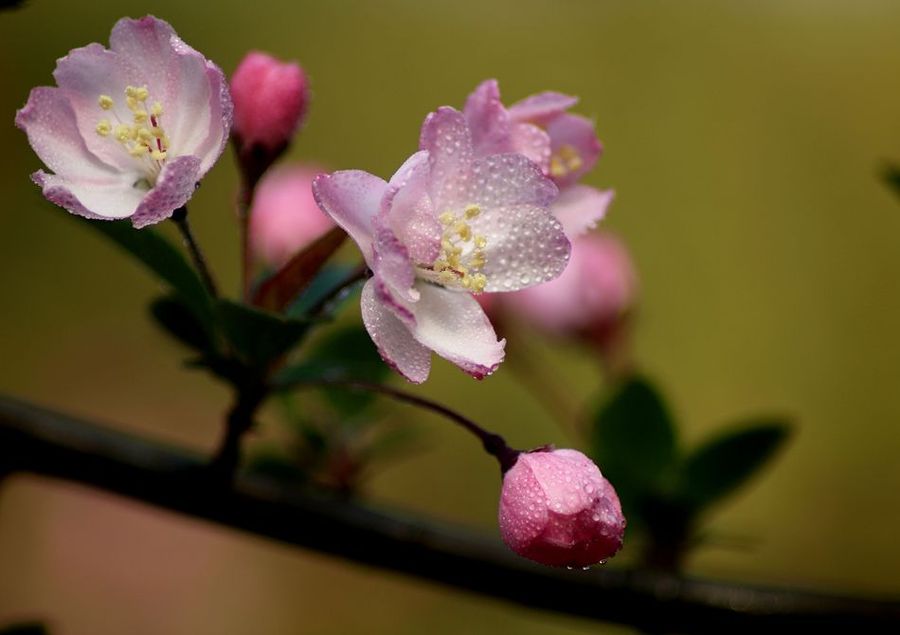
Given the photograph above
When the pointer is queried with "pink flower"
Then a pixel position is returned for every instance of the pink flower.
(270, 100)
(557, 509)
(284, 217)
(589, 298)
(447, 225)
(563, 144)
(130, 130)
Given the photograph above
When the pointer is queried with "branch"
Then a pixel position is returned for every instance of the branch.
(39, 441)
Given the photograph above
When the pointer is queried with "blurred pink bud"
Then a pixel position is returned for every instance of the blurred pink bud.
(597, 288)
(284, 217)
(270, 100)
(557, 509)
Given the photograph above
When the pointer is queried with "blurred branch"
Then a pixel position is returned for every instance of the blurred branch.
(39, 441)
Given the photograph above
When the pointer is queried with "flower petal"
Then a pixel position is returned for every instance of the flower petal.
(445, 135)
(51, 125)
(580, 207)
(542, 107)
(526, 245)
(533, 142)
(146, 43)
(174, 187)
(488, 120)
(408, 211)
(395, 273)
(85, 74)
(352, 198)
(93, 199)
(454, 326)
(395, 343)
(509, 179)
(577, 133)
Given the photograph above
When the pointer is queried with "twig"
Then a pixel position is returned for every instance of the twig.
(39, 441)
(180, 218)
(494, 444)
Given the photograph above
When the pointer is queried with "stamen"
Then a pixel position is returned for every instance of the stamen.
(105, 101)
(451, 268)
(103, 127)
(145, 139)
(565, 161)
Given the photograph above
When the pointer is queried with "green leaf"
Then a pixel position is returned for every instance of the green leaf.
(634, 440)
(163, 259)
(328, 278)
(287, 283)
(721, 465)
(259, 337)
(172, 316)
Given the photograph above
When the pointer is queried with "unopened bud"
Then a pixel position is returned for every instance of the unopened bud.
(557, 509)
(270, 101)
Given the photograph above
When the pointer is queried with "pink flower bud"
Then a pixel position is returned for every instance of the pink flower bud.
(597, 288)
(557, 509)
(284, 217)
(270, 100)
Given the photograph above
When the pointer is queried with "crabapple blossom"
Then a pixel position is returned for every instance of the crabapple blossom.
(128, 131)
(284, 217)
(557, 509)
(270, 101)
(447, 225)
(565, 145)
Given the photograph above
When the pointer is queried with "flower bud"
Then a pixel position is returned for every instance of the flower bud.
(270, 100)
(284, 217)
(557, 509)
(591, 296)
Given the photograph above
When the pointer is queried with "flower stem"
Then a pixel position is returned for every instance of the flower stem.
(493, 443)
(239, 420)
(180, 218)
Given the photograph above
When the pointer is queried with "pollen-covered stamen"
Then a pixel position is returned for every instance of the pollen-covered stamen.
(144, 137)
(462, 252)
(565, 161)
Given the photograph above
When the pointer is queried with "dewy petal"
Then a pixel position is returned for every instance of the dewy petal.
(352, 198)
(488, 120)
(533, 142)
(91, 199)
(174, 187)
(445, 135)
(578, 132)
(50, 123)
(525, 246)
(85, 74)
(509, 179)
(395, 343)
(454, 326)
(396, 275)
(580, 207)
(408, 211)
(147, 43)
(542, 107)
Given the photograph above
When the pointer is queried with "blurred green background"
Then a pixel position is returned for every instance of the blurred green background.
(743, 140)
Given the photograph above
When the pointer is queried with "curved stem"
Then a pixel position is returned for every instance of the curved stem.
(180, 218)
(239, 420)
(493, 443)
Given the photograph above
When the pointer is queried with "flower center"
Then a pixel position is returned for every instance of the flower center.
(565, 161)
(462, 252)
(143, 137)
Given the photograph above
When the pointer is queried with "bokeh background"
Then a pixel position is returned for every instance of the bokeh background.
(744, 141)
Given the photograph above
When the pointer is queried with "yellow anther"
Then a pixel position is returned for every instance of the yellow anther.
(446, 276)
(145, 135)
(103, 127)
(480, 242)
(158, 155)
(479, 282)
(132, 103)
(447, 217)
(138, 150)
(123, 132)
(472, 211)
(137, 92)
(557, 168)
(565, 160)
(463, 230)
(140, 116)
(156, 109)
(157, 132)
(105, 101)
(477, 260)
(453, 261)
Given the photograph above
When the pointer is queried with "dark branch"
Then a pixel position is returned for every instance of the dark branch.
(39, 441)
